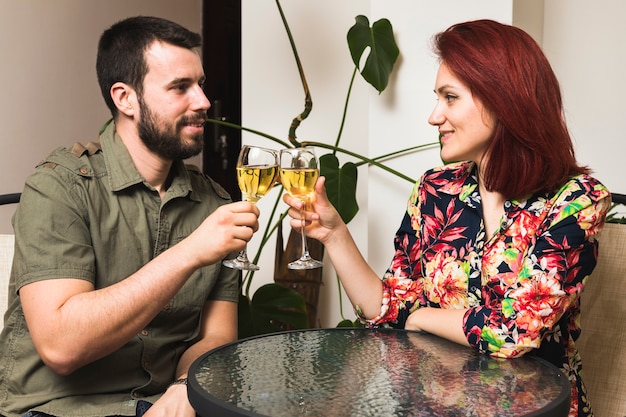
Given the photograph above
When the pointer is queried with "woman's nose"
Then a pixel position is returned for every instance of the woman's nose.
(436, 118)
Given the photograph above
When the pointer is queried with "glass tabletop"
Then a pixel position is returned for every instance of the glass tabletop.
(370, 372)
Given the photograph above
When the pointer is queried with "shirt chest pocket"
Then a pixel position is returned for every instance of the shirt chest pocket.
(183, 313)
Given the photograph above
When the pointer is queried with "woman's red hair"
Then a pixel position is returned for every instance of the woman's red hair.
(531, 150)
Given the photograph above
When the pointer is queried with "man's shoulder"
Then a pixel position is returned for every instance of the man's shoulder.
(200, 180)
(80, 159)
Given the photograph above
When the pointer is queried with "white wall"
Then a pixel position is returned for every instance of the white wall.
(528, 15)
(584, 40)
(50, 95)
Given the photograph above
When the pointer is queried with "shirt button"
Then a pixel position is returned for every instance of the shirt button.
(144, 332)
(83, 171)
(166, 307)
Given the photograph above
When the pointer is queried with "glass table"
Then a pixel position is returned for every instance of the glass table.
(370, 372)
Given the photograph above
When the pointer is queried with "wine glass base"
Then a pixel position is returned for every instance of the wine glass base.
(238, 264)
(305, 264)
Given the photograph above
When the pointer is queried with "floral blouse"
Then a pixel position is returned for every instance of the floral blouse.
(521, 286)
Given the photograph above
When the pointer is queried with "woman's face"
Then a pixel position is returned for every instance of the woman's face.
(465, 126)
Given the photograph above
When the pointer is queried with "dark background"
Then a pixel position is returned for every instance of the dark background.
(221, 55)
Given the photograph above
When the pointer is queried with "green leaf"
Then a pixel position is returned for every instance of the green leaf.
(383, 50)
(340, 185)
(349, 323)
(273, 308)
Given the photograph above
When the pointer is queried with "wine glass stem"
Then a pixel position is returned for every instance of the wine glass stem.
(243, 254)
(305, 249)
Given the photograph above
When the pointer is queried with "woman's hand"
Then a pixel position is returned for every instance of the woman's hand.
(412, 322)
(320, 215)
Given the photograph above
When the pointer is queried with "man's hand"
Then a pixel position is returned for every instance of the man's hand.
(228, 229)
(174, 402)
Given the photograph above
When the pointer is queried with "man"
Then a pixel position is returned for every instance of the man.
(117, 283)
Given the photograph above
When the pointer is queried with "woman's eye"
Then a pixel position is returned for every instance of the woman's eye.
(450, 97)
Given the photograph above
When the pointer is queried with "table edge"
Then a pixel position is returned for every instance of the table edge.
(195, 392)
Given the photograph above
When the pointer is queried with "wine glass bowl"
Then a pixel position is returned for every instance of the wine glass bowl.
(299, 182)
(257, 171)
(255, 181)
(298, 174)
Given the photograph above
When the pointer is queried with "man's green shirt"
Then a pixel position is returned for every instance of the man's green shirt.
(86, 213)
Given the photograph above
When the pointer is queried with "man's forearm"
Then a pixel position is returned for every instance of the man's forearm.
(84, 325)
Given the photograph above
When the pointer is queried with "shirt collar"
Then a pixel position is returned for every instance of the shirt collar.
(123, 173)
(462, 181)
(120, 166)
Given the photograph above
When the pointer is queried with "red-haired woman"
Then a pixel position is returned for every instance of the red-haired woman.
(495, 246)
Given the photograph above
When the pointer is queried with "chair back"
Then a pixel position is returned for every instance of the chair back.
(7, 243)
(602, 343)
(12, 198)
(6, 260)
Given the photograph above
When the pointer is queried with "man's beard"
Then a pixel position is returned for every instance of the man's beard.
(168, 145)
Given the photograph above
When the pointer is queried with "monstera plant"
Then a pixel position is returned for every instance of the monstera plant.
(274, 307)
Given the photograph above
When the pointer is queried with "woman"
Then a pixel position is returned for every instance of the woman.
(495, 246)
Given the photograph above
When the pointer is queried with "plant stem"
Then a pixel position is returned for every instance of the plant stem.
(339, 287)
(363, 159)
(345, 110)
(373, 161)
(269, 231)
(308, 102)
(245, 129)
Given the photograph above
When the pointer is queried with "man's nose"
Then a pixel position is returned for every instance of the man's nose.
(200, 102)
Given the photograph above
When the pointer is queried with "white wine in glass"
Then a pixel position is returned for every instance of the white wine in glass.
(257, 170)
(298, 174)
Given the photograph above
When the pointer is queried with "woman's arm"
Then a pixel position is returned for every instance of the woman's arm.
(360, 282)
(443, 322)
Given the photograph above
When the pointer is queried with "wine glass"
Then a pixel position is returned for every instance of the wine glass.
(257, 169)
(298, 174)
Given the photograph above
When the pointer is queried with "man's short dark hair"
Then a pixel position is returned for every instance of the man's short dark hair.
(121, 51)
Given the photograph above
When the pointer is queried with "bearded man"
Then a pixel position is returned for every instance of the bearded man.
(117, 283)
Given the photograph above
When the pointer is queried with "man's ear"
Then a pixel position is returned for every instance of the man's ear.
(125, 99)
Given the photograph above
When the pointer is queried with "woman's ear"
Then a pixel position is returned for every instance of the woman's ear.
(125, 99)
